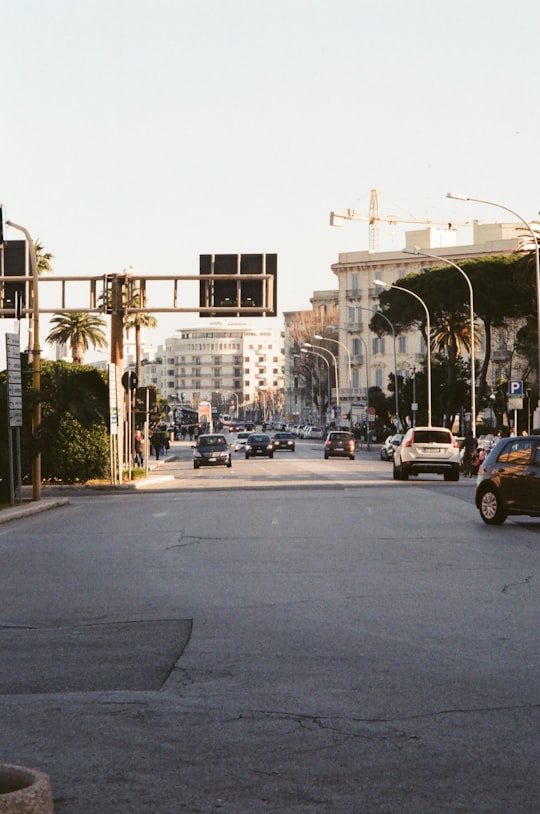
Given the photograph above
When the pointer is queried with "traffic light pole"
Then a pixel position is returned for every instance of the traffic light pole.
(36, 358)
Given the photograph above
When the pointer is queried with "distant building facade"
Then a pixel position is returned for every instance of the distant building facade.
(233, 366)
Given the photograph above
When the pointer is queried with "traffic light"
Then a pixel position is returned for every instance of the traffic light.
(237, 296)
(13, 264)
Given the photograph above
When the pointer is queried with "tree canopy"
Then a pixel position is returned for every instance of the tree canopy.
(504, 288)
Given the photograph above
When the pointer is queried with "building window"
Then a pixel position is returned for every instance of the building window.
(379, 378)
(402, 344)
(354, 283)
(355, 379)
(195, 371)
(377, 345)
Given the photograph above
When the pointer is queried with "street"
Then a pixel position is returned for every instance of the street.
(290, 635)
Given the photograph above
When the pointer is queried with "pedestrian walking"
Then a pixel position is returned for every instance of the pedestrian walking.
(139, 449)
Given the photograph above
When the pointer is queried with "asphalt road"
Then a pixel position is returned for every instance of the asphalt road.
(294, 635)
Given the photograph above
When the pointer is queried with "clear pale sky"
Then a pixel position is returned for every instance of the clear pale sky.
(144, 134)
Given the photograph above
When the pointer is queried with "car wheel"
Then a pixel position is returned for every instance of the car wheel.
(351, 457)
(229, 463)
(271, 455)
(396, 474)
(453, 475)
(195, 465)
(247, 456)
(326, 456)
(491, 508)
(292, 450)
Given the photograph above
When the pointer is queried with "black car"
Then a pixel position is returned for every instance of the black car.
(339, 444)
(508, 480)
(259, 444)
(284, 440)
(211, 450)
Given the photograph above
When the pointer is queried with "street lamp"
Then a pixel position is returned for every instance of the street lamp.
(396, 386)
(458, 196)
(314, 353)
(428, 331)
(417, 251)
(36, 357)
(344, 346)
(321, 347)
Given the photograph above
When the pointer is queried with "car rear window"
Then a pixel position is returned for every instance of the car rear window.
(341, 436)
(431, 437)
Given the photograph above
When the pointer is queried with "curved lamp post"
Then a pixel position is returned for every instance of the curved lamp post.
(417, 251)
(346, 349)
(458, 196)
(321, 347)
(428, 330)
(396, 386)
(320, 355)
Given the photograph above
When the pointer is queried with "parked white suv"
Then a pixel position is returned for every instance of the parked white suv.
(427, 449)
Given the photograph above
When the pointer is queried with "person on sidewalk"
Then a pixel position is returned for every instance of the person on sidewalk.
(139, 457)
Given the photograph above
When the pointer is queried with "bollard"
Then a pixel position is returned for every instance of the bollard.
(24, 791)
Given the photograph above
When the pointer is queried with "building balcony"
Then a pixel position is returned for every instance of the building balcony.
(353, 294)
(354, 327)
(500, 355)
(357, 359)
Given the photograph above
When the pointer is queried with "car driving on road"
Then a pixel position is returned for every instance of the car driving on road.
(283, 440)
(508, 481)
(339, 444)
(211, 450)
(389, 446)
(427, 449)
(259, 444)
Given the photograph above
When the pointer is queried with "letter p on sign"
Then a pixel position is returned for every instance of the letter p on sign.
(515, 388)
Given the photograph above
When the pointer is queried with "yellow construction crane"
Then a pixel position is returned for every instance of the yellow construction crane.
(374, 219)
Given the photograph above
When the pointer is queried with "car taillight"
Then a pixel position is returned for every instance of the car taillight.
(408, 443)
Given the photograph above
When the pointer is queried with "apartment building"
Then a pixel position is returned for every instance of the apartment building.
(357, 272)
(233, 366)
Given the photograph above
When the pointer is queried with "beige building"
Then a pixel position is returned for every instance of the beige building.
(366, 360)
(231, 365)
(373, 358)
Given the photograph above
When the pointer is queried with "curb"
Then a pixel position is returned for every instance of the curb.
(30, 508)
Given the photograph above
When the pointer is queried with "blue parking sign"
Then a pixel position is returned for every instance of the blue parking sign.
(515, 388)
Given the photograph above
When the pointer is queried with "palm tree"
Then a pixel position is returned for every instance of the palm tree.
(138, 321)
(43, 258)
(79, 329)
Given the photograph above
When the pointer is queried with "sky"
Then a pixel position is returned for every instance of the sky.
(144, 134)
